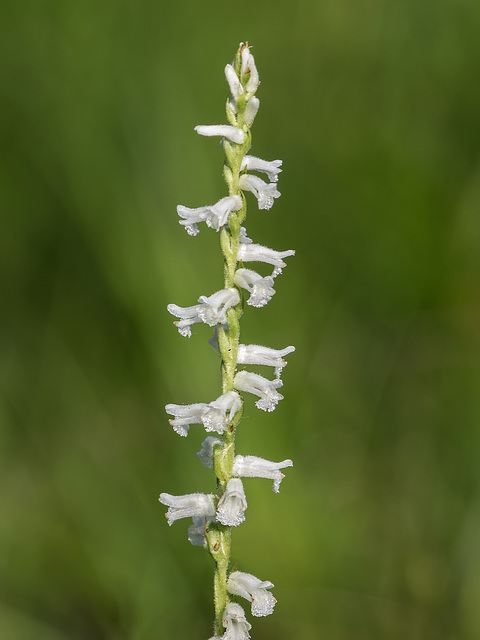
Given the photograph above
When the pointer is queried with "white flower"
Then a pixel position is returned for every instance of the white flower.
(259, 253)
(232, 504)
(196, 531)
(187, 506)
(244, 239)
(251, 110)
(214, 416)
(265, 389)
(211, 310)
(254, 590)
(255, 467)
(264, 192)
(235, 623)
(215, 215)
(221, 411)
(256, 354)
(223, 130)
(236, 88)
(271, 168)
(248, 67)
(185, 415)
(260, 288)
(205, 455)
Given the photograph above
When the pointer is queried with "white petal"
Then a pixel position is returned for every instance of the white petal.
(251, 588)
(251, 110)
(260, 288)
(185, 415)
(205, 455)
(222, 130)
(257, 354)
(196, 531)
(256, 467)
(265, 389)
(232, 504)
(259, 253)
(188, 506)
(236, 88)
(248, 67)
(264, 192)
(271, 168)
(235, 623)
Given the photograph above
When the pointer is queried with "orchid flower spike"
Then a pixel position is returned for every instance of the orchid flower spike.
(210, 310)
(235, 623)
(265, 389)
(249, 252)
(254, 590)
(255, 467)
(265, 192)
(233, 504)
(215, 216)
(187, 506)
(256, 354)
(260, 288)
(213, 516)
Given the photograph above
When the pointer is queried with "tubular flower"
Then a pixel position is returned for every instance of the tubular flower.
(265, 192)
(254, 590)
(205, 455)
(210, 310)
(215, 215)
(251, 111)
(255, 467)
(223, 130)
(260, 288)
(233, 504)
(236, 88)
(186, 415)
(196, 531)
(249, 252)
(235, 623)
(214, 416)
(265, 389)
(249, 68)
(187, 506)
(271, 168)
(256, 354)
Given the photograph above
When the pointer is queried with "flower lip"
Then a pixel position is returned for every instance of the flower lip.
(264, 192)
(260, 288)
(235, 623)
(265, 389)
(251, 588)
(233, 504)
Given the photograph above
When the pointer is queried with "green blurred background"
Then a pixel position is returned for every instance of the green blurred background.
(374, 107)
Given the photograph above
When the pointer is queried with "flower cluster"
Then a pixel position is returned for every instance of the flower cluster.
(214, 515)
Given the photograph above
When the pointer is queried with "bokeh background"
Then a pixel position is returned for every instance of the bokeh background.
(374, 107)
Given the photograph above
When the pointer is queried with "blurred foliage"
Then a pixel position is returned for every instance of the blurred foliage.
(374, 106)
